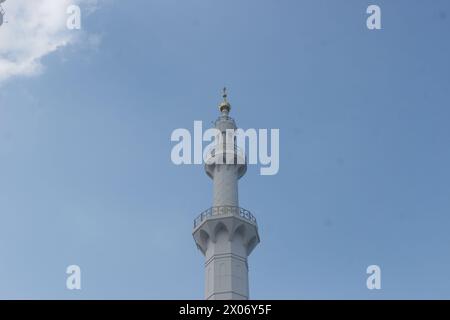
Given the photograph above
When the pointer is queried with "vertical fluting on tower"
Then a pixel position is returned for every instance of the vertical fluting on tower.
(226, 234)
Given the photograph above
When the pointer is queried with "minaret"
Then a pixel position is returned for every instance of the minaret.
(225, 233)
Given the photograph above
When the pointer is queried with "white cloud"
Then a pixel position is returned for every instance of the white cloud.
(35, 28)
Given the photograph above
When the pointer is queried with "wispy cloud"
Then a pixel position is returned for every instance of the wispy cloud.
(35, 28)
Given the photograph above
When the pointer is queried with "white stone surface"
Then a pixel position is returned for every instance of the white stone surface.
(225, 185)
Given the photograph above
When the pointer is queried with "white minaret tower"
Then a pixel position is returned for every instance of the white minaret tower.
(225, 233)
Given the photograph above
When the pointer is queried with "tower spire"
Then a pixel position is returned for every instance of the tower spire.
(224, 106)
(224, 95)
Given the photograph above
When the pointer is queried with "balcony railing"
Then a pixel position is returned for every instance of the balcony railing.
(212, 151)
(222, 211)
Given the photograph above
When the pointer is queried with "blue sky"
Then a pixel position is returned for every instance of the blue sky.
(86, 176)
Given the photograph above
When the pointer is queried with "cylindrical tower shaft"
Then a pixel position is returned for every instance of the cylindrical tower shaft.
(225, 184)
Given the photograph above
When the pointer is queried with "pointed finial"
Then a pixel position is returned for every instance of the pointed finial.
(225, 105)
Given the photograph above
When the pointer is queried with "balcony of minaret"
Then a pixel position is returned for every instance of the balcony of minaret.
(227, 154)
(235, 221)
